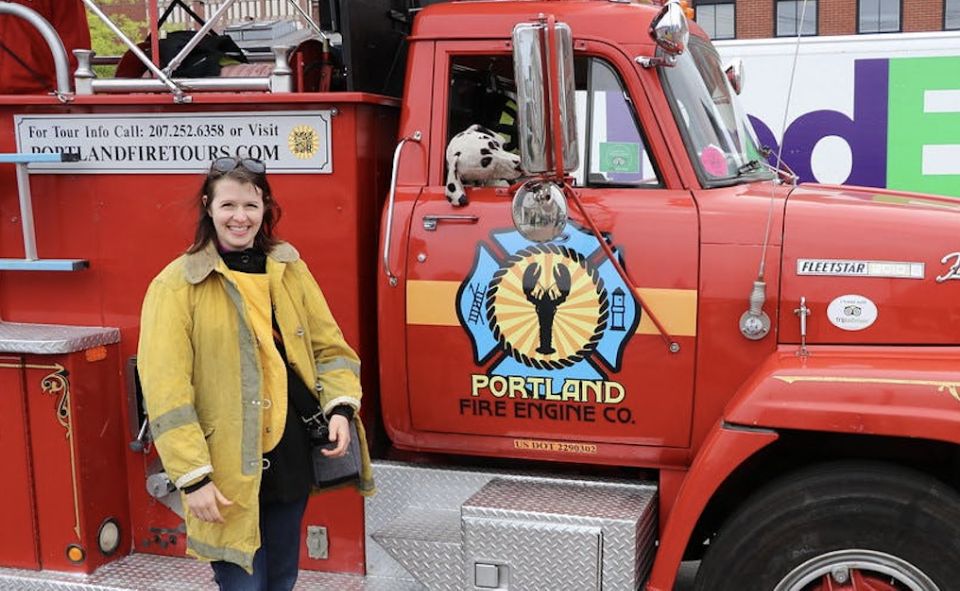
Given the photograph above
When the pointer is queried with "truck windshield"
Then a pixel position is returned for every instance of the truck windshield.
(717, 133)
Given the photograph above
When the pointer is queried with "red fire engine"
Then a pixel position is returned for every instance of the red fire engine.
(654, 347)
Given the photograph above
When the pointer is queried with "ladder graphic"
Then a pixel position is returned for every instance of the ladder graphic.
(477, 306)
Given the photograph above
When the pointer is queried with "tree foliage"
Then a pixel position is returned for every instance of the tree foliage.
(104, 42)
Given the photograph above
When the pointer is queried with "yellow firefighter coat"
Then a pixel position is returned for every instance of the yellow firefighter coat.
(201, 373)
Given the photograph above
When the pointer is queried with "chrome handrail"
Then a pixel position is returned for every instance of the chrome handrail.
(415, 137)
(49, 34)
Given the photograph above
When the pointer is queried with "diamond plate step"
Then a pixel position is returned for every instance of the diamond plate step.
(146, 572)
(426, 542)
(409, 493)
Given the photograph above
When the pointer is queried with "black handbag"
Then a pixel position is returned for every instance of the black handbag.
(327, 471)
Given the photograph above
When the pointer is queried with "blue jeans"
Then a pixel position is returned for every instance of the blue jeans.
(275, 564)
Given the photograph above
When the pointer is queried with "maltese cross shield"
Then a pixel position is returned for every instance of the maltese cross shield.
(557, 309)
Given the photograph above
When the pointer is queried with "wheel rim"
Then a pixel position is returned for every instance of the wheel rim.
(856, 570)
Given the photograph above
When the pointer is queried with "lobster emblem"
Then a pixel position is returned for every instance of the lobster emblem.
(546, 300)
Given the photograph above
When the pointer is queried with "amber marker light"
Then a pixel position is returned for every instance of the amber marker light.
(96, 353)
(75, 554)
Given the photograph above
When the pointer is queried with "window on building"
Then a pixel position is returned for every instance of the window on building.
(951, 15)
(718, 18)
(879, 16)
(790, 13)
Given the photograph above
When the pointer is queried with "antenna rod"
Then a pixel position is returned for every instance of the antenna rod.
(755, 323)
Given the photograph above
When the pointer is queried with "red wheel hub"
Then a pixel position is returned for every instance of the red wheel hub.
(858, 581)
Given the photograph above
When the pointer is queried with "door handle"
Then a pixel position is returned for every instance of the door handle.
(430, 222)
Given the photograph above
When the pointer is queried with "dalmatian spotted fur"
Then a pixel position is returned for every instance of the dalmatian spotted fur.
(476, 155)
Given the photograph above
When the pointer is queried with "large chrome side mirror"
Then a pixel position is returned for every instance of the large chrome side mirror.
(539, 211)
(670, 30)
(531, 71)
(734, 72)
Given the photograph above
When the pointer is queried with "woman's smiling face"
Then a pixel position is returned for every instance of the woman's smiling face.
(237, 213)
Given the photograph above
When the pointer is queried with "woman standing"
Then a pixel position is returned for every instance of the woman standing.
(233, 334)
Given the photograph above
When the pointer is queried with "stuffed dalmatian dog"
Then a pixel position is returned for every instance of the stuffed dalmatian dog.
(476, 155)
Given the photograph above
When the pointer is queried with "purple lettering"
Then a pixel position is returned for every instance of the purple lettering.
(865, 133)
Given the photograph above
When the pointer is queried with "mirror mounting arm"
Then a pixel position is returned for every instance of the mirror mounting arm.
(672, 345)
(655, 62)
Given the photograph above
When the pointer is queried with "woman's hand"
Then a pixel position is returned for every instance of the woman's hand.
(204, 503)
(339, 433)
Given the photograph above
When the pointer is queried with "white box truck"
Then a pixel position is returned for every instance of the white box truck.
(873, 110)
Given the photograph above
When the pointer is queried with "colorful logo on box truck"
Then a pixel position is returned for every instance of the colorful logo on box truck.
(904, 132)
(552, 320)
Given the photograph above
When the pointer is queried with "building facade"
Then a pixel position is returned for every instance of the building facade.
(754, 19)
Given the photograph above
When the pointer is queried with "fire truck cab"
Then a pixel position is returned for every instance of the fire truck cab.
(654, 346)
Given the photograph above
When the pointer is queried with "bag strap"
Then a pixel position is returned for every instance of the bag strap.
(305, 403)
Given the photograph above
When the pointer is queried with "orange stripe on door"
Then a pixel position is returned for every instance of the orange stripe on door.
(434, 303)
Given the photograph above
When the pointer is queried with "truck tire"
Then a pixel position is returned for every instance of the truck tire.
(856, 526)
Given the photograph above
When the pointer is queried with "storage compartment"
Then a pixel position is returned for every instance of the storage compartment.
(521, 536)
(61, 430)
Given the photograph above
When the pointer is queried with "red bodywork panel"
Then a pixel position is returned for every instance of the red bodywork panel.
(723, 450)
(129, 226)
(901, 239)
(895, 391)
(20, 545)
(732, 223)
(26, 65)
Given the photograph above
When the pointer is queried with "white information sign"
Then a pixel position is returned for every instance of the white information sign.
(287, 141)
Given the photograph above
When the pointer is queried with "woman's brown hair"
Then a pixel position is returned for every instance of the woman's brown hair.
(205, 232)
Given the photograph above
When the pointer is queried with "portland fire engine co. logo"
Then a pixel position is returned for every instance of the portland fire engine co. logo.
(552, 320)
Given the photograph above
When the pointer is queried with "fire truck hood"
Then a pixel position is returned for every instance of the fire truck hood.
(872, 267)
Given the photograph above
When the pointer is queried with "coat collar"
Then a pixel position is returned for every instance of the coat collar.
(198, 265)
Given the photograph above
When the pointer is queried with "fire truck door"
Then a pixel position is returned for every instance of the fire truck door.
(546, 341)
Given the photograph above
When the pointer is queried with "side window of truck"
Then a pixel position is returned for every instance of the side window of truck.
(482, 91)
(613, 150)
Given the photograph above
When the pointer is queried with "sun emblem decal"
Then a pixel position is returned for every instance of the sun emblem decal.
(555, 310)
(567, 296)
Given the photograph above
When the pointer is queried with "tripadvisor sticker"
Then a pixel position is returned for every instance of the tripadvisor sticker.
(619, 157)
(852, 312)
(714, 161)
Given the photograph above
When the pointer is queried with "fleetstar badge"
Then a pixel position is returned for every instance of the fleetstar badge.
(860, 268)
